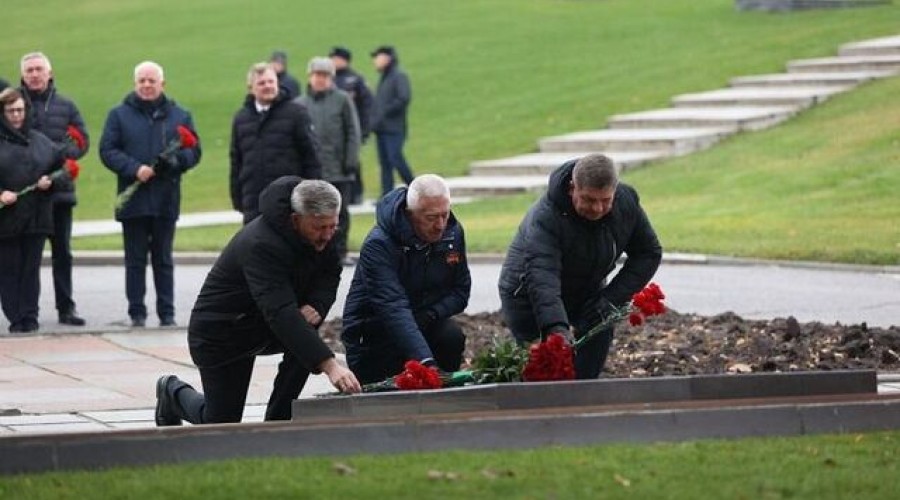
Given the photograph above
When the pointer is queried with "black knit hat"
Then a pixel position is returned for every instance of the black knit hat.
(384, 49)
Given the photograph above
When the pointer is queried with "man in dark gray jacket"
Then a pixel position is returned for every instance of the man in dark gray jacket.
(53, 114)
(337, 129)
(389, 120)
(555, 274)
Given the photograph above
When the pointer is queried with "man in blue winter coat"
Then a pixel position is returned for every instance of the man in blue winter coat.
(412, 276)
(135, 137)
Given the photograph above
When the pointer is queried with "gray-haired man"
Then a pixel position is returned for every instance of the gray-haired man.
(267, 293)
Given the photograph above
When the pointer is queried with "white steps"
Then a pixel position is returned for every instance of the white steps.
(736, 118)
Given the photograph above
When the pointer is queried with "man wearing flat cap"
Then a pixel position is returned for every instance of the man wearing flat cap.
(389, 122)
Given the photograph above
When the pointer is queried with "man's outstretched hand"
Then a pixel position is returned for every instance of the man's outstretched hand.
(341, 378)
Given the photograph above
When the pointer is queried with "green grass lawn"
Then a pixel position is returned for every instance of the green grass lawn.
(489, 78)
(814, 467)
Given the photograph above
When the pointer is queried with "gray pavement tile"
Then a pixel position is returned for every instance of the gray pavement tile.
(120, 416)
(144, 424)
(44, 419)
(61, 428)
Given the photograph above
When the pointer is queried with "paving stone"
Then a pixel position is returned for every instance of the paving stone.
(801, 97)
(673, 141)
(846, 63)
(61, 428)
(739, 118)
(50, 418)
(544, 163)
(841, 78)
(120, 416)
(889, 45)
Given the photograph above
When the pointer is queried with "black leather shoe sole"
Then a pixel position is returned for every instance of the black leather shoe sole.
(164, 417)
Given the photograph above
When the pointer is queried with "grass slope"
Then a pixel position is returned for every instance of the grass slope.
(815, 467)
(489, 77)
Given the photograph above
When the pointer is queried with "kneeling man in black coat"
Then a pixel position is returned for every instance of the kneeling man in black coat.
(267, 293)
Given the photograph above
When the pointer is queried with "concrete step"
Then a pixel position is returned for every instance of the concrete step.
(478, 186)
(887, 46)
(802, 97)
(544, 163)
(737, 118)
(672, 141)
(845, 63)
(809, 79)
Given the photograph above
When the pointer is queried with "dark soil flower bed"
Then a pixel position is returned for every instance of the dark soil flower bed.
(688, 344)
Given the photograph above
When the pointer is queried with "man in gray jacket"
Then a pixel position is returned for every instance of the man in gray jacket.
(336, 123)
(392, 100)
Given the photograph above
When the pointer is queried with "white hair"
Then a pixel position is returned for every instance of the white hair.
(152, 65)
(315, 197)
(426, 186)
(34, 55)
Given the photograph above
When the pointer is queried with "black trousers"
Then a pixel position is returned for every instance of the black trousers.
(61, 254)
(590, 357)
(374, 362)
(225, 391)
(343, 230)
(155, 235)
(20, 278)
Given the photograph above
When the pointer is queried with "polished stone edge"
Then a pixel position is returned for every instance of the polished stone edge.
(567, 394)
(92, 451)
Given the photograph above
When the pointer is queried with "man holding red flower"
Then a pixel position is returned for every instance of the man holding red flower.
(58, 118)
(556, 273)
(135, 146)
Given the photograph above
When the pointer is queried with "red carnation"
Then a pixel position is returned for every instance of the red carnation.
(635, 319)
(187, 138)
(72, 168)
(551, 359)
(416, 376)
(76, 136)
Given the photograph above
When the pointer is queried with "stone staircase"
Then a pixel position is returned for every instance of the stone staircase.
(694, 122)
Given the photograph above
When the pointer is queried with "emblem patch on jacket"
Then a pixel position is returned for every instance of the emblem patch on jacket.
(453, 258)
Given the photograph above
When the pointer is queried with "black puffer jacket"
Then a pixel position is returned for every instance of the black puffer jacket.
(26, 155)
(559, 260)
(267, 146)
(398, 275)
(250, 299)
(51, 114)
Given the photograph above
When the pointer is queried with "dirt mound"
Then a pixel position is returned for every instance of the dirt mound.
(686, 344)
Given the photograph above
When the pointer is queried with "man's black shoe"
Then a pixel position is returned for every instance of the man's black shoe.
(138, 322)
(167, 322)
(165, 416)
(70, 318)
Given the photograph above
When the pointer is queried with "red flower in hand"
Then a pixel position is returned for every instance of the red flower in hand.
(552, 359)
(187, 138)
(417, 376)
(72, 168)
(76, 136)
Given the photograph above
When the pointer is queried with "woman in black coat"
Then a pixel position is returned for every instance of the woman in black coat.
(26, 157)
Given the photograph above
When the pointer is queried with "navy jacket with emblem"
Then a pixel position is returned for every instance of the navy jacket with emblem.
(398, 275)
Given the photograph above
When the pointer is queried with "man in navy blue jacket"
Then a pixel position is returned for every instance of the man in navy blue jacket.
(412, 276)
(135, 136)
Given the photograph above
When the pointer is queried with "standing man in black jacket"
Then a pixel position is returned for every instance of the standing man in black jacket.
(271, 136)
(351, 82)
(286, 81)
(555, 274)
(53, 114)
(389, 120)
(267, 293)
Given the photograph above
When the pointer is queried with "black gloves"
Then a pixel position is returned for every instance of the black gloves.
(425, 318)
(595, 310)
(166, 163)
